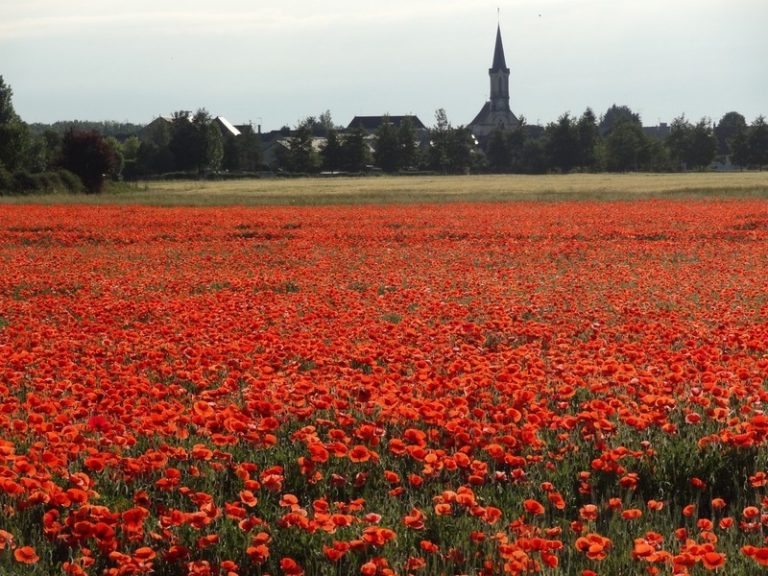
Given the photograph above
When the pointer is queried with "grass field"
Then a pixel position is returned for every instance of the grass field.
(417, 189)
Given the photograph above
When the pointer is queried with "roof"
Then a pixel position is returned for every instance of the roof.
(371, 123)
(227, 125)
(488, 120)
(482, 116)
(499, 62)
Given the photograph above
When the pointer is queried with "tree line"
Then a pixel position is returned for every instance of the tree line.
(195, 145)
(617, 142)
(81, 156)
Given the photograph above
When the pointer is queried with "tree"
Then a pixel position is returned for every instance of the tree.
(212, 146)
(300, 156)
(88, 155)
(36, 155)
(615, 116)
(184, 143)
(325, 122)
(534, 156)
(355, 152)
(154, 159)
(702, 145)
(740, 150)
(562, 144)
(516, 140)
(406, 139)
(624, 146)
(131, 148)
(14, 136)
(461, 146)
(438, 142)
(117, 149)
(731, 125)
(231, 159)
(248, 148)
(588, 136)
(196, 141)
(498, 151)
(332, 154)
(757, 143)
(677, 141)
(691, 146)
(387, 153)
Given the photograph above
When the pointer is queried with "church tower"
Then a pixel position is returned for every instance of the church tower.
(496, 112)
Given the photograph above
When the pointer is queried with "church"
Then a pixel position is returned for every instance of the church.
(496, 112)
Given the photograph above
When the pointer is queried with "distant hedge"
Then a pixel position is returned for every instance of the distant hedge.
(23, 182)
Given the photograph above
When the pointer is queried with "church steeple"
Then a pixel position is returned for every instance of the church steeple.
(495, 114)
(499, 74)
(499, 62)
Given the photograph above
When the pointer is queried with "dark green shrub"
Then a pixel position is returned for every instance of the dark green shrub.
(25, 183)
(70, 182)
(6, 180)
(88, 155)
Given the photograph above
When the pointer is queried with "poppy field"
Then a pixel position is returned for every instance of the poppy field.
(569, 388)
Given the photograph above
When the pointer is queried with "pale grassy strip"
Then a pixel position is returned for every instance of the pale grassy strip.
(410, 189)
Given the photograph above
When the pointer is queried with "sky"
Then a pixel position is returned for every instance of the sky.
(275, 63)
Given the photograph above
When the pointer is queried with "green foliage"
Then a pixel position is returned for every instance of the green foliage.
(248, 147)
(120, 130)
(117, 149)
(36, 156)
(299, 156)
(731, 125)
(13, 132)
(88, 155)
(451, 150)
(6, 180)
(387, 153)
(757, 143)
(23, 182)
(461, 147)
(406, 139)
(438, 145)
(331, 153)
(355, 152)
(616, 116)
(623, 147)
(533, 156)
(499, 158)
(213, 146)
(588, 136)
(562, 144)
(691, 146)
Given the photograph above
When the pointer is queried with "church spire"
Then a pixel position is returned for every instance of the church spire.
(495, 114)
(499, 62)
(499, 75)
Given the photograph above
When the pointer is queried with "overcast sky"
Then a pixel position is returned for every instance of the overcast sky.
(276, 62)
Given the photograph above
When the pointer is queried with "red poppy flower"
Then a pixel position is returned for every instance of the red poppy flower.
(26, 555)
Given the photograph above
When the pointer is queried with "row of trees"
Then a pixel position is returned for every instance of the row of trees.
(317, 144)
(39, 158)
(76, 157)
(616, 142)
(619, 143)
(391, 148)
(191, 143)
